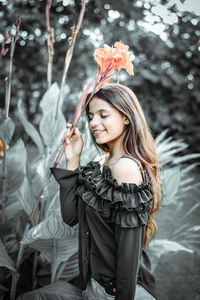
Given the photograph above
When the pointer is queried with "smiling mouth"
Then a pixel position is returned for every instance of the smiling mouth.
(98, 132)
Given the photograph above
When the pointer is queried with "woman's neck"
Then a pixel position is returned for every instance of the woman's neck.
(115, 153)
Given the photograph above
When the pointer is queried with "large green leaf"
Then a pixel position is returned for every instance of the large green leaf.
(53, 206)
(5, 260)
(30, 129)
(50, 129)
(60, 290)
(71, 269)
(57, 241)
(50, 98)
(23, 198)
(177, 275)
(15, 168)
(7, 129)
(187, 234)
(159, 247)
(54, 238)
(11, 210)
(43, 179)
(171, 183)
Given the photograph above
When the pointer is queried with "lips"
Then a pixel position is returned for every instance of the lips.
(97, 132)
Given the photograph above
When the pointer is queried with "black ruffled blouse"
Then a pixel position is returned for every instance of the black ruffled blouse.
(112, 222)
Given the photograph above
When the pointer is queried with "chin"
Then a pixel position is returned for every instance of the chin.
(99, 142)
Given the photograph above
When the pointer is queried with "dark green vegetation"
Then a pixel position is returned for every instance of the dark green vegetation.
(42, 254)
(166, 72)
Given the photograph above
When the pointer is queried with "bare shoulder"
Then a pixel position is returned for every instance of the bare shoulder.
(127, 170)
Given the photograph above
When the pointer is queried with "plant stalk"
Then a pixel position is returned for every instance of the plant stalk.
(60, 270)
(15, 277)
(69, 53)
(54, 263)
(50, 43)
(12, 49)
(4, 182)
(8, 90)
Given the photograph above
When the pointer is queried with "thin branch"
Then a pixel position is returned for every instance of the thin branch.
(12, 49)
(50, 43)
(4, 181)
(69, 53)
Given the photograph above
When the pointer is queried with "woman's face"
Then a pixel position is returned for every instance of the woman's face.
(106, 122)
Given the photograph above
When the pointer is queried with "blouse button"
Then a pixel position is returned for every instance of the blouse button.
(87, 233)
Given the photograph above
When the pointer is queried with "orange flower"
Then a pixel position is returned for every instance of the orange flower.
(111, 59)
(2, 149)
(1, 145)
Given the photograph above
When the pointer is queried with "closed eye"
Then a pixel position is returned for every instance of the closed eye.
(104, 116)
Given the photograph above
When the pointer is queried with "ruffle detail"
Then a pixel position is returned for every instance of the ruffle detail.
(126, 204)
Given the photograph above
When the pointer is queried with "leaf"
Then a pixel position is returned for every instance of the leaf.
(57, 241)
(7, 129)
(24, 199)
(15, 168)
(12, 210)
(30, 129)
(160, 247)
(185, 158)
(161, 137)
(71, 269)
(171, 182)
(5, 260)
(53, 235)
(59, 290)
(50, 128)
(53, 207)
(44, 178)
(49, 100)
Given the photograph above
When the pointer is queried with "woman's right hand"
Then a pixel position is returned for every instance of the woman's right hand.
(74, 144)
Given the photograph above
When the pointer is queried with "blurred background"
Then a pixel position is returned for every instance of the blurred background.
(164, 36)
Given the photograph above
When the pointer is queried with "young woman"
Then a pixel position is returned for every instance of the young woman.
(114, 202)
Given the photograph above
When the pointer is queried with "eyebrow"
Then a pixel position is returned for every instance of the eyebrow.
(100, 110)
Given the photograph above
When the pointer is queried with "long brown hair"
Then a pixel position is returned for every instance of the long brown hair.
(138, 141)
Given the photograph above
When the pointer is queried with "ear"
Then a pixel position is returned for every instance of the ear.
(126, 121)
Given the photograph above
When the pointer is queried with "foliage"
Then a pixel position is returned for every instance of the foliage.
(177, 240)
(49, 241)
(38, 250)
(167, 70)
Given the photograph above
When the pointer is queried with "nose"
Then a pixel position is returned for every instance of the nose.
(94, 122)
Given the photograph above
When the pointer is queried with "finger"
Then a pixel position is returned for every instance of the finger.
(66, 140)
(68, 132)
(77, 132)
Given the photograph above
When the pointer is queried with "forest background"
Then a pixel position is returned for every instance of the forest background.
(164, 37)
(166, 65)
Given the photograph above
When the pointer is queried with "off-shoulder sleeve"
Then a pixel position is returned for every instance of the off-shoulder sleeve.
(68, 199)
(126, 204)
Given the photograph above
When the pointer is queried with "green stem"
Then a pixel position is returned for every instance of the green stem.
(49, 72)
(15, 277)
(70, 53)
(21, 248)
(4, 184)
(54, 263)
(60, 270)
(19, 259)
(6, 93)
(35, 262)
(8, 90)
